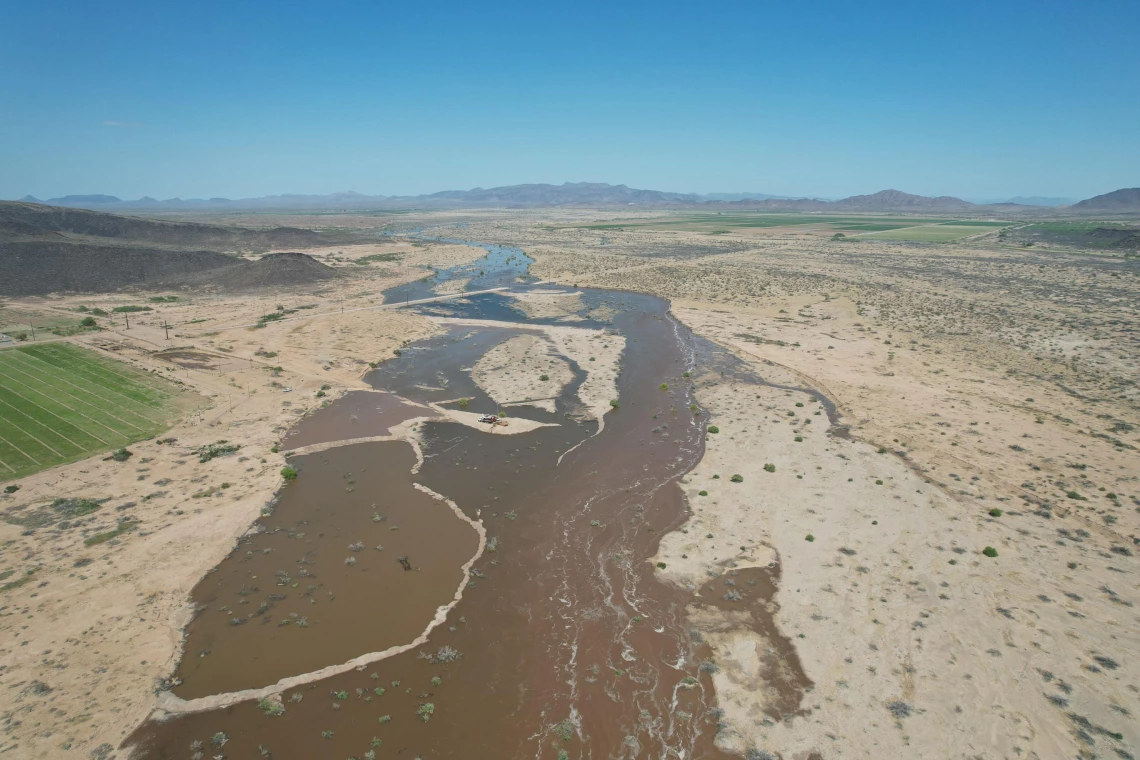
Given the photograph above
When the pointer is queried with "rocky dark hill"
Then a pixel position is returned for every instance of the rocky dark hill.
(48, 250)
(22, 220)
(896, 200)
(1126, 200)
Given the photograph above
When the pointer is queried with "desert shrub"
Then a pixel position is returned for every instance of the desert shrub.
(809, 537)
(87, 322)
(289, 473)
(270, 707)
(714, 429)
(737, 478)
(769, 467)
(989, 551)
(217, 449)
(995, 512)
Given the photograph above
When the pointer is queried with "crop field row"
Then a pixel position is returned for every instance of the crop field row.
(934, 233)
(925, 229)
(60, 403)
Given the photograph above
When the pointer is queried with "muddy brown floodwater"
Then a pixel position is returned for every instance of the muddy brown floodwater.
(321, 583)
(357, 414)
(564, 643)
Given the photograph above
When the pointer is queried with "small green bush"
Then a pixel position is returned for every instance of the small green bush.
(737, 478)
(769, 468)
(703, 493)
(87, 322)
(544, 378)
(809, 538)
(989, 551)
(664, 386)
(714, 429)
(614, 403)
(661, 565)
(270, 707)
(214, 450)
(289, 473)
(995, 512)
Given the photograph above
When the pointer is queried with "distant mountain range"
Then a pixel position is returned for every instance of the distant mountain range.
(1028, 200)
(596, 195)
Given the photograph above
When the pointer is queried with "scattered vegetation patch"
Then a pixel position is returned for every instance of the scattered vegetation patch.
(124, 526)
(58, 511)
(22, 580)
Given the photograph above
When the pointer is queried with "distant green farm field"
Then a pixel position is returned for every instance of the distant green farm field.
(720, 223)
(881, 227)
(60, 403)
(936, 233)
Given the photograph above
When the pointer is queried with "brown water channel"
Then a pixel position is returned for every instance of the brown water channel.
(358, 414)
(322, 583)
(563, 645)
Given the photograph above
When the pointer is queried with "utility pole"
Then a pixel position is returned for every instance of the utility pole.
(33, 331)
(167, 328)
(127, 317)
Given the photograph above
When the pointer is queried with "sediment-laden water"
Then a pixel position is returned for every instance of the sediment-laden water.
(564, 644)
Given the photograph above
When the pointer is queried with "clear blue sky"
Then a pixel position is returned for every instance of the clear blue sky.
(234, 99)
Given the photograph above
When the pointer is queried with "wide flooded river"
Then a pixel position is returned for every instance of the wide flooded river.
(563, 644)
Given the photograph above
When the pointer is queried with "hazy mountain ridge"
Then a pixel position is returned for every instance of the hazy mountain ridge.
(593, 194)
